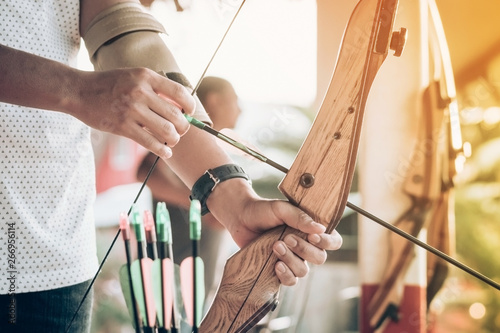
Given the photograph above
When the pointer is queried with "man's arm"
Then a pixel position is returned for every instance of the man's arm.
(233, 202)
(114, 101)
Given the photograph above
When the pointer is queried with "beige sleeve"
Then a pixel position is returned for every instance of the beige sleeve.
(124, 35)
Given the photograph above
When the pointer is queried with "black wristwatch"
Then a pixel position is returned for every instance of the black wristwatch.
(210, 179)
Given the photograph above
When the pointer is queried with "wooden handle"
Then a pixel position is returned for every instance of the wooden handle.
(320, 177)
(249, 288)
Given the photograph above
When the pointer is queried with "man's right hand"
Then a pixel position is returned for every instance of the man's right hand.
(127, 102)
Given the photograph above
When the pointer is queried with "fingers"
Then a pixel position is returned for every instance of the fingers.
(289, 267)
(168, 127)
(296, 218)
(147, 140)
(331, 241)
(176, 93)
(168, 100)
(285, 275)
(294, 253)
(150, 109)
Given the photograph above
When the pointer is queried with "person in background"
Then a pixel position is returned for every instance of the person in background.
(47, 180)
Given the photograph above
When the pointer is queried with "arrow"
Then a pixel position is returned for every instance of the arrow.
(164, 287)
(192, 271)
(141, 275)
(127, 286)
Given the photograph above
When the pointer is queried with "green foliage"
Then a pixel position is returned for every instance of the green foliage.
(477, 209)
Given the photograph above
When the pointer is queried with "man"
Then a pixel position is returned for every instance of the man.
(46, 163)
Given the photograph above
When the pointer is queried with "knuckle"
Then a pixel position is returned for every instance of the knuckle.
(142, 73)
(149, 143)
(291, 282)
(183, 126)
(178, 91)
(321, 258)
(137, 92)
(180, 124)
(339, 241)
(174, 140)
(304, 219)
(334, 241)
(288, 279)
(305, 269)
(170, 134)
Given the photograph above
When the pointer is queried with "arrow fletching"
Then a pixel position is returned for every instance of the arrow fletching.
(188, 293)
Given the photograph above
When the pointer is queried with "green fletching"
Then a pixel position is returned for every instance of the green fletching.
(200, 288)
(163, 226)
(195, 220)
(195, 122)
(125, 284)
(138, 291)
(137, 223)
(157, 291)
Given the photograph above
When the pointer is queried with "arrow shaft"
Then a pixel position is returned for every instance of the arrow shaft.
(368, 215)
(425, 246)
(132, 294)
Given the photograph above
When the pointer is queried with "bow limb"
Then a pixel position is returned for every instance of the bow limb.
(428, 182)
(440, 235)
(320, 177)
(441, 231)
(422, 185)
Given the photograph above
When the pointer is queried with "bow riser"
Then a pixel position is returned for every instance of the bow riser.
(249, 287)
(320, 177)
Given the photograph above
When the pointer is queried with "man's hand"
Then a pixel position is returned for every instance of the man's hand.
(127, 102)
(258, 215)
(124, 101)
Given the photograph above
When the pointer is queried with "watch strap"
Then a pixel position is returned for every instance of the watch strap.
(205, 185)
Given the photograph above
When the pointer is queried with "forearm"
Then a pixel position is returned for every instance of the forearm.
(196, 152)
(33, 81)
(199, 151)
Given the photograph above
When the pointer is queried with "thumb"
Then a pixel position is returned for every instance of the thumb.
(296, 218)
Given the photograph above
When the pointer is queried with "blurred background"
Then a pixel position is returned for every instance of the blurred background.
(279, 60)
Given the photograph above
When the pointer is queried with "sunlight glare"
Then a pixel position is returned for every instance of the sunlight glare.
(477, 310)
(269, 54)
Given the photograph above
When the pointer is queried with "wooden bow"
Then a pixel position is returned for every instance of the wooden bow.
(320, 178)
(428, 183)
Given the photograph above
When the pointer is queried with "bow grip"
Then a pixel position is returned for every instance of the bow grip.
(249, 288)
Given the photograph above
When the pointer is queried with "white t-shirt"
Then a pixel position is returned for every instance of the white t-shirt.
(47, 236)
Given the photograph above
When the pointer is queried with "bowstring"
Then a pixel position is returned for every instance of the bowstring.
(89, 288)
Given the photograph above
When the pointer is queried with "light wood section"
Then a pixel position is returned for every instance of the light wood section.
(249, 286)
(329, 152)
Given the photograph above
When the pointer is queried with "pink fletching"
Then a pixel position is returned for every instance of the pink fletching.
(168, 291)
(149, 222)
(146, 267)
(186, 270)
(124, 226)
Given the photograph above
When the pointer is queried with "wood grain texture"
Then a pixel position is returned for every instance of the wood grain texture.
(329, 151)
(248, 285)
